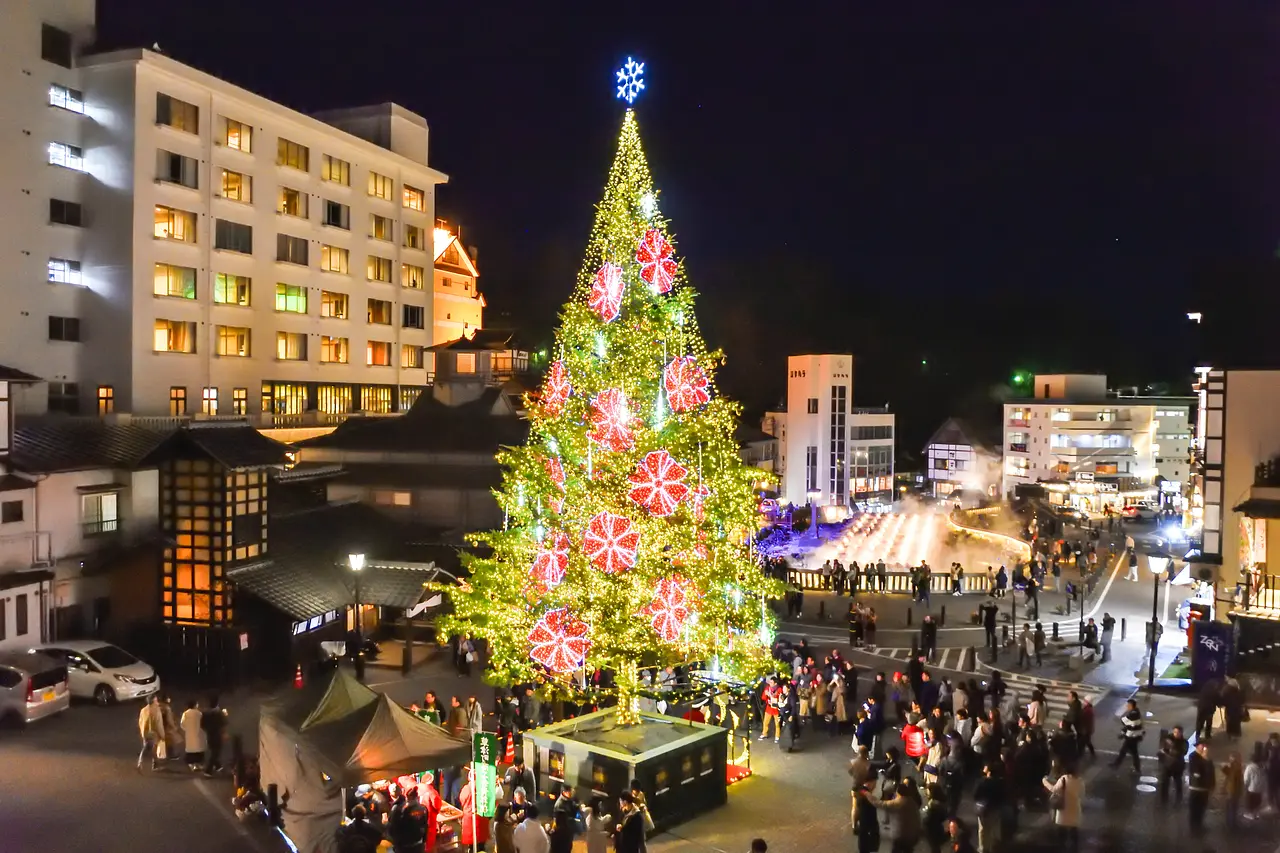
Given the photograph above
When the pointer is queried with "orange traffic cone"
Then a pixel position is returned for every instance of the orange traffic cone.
(510, 757)
(297, 676)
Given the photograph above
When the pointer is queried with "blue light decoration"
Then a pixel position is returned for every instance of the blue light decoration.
(630, 80)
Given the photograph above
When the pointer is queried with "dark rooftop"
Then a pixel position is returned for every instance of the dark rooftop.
(433, 476)
(748, 434)
(230, 444)
(77, 445)
(307, 573)
(484, 340)
(13, 374)
(482, 425)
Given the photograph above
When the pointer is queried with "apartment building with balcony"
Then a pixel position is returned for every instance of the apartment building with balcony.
(180, 246)
(1092, 448)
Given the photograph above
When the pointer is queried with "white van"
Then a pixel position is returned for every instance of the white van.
(103, 672)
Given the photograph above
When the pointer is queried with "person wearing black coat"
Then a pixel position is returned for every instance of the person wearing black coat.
(564, 821)
(628, 836)
(1173, 761)
(866, 823)
(1206, 707)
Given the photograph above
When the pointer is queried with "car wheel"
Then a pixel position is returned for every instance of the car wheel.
(104, 695)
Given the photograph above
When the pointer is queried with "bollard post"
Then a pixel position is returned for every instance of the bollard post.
(1004, 634)
(1068, 605)
(942, 615)
(1055, 632)
(273, 804)
(1123, 627)
(908, 617)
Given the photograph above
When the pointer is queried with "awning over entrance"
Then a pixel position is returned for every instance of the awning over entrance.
(305, 591)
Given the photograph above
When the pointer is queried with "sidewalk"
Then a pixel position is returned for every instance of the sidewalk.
(893, 610)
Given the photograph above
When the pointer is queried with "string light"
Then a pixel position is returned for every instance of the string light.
(621, 547)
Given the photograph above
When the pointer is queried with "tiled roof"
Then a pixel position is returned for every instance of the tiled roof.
(307, 573)
(432, 425)
(423, 476)
(484, 340)
(231, 444)
(77, 445)
(13, 374)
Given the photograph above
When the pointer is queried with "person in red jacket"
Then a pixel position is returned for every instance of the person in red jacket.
(431, 801)
(769, 698)
(467, 800)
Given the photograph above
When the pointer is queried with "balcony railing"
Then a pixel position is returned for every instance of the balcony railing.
(1019, 446)
(101, 526)
(1019, 422)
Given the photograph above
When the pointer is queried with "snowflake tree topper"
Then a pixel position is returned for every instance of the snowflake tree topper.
(630, 80)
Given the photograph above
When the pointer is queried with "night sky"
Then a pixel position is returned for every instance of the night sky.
(951, 191)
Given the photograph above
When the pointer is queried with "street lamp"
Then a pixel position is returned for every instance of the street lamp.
(357, 657)
(1157, 566)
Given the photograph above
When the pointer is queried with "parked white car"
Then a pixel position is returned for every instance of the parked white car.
(103, 672)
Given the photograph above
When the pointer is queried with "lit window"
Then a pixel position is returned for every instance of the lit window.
(106, 399)
(378, 354)
(375, 399)
(414, 199)
(69, 156)
(466, 362)
(382, 228)
(177, 400)
(335, 170)
(67, 272)
(337, 215)
(291, 250)
(380, 312)
(386, 497)
(175, 169)
(333, 350)
(237, 186)
(209, 402)
(238, 136)
(379, 269)
(291, 346)
(333, 305)
(410, 356)
(233, 236)
(412, 276)
(381, 186)
(231, 289)
(293, 155)
(175, 336)
(412, 236)
(173, 280)
(291, 297)
(174, 224)
(177, 114)
(233, 341)
(292, 202)
(68, 99)
(333, 259)
(240, 401)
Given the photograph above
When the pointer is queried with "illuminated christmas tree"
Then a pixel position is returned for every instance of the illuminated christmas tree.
(629, 512)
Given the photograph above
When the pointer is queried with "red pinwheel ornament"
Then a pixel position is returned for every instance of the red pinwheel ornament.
(611, 542)
(559, 641)
(551, 562)
(669, 609)
(555, 470)
(700, 496)
(686, 384)
(556, 389)
(656, 267)
(606, 292)
(612, 421)
(657, 483)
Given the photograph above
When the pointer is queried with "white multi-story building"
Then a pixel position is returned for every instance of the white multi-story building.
(828, 450)
(1096, 449)
(956, 460)
(178, 245)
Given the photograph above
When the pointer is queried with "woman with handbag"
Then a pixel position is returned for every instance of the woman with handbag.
(1066, 798)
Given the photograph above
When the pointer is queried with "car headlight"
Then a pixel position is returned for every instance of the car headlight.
(125, 678)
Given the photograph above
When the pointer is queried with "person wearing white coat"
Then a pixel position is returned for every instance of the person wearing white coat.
(192, 735)
(1066, 796)
(599, 827)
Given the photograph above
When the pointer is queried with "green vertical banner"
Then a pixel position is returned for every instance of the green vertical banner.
(484, 748)
(486, 786)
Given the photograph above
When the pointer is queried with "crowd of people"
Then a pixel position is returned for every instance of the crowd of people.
(196, 738)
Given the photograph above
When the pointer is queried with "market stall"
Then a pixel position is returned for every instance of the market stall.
(350, 736)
